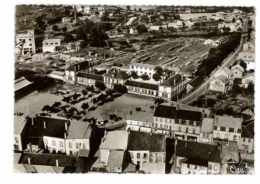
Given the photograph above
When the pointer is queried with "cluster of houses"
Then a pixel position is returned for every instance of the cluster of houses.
(242, 70)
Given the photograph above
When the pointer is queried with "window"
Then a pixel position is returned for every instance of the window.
(138, 155)
(61, 144)
(238, 130)
(145, 155)
(177, 121)
(70, 145)
(215, 127)
(222, 128)
(190, 122)
(231, 129)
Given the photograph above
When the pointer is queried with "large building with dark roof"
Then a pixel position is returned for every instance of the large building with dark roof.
(146, 148)
(56, 134)
(88, 79)
(197, 158)
(183, 123)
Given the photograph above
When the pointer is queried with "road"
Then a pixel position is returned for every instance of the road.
(204, 87)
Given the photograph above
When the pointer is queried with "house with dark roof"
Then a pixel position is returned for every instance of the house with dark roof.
(56, 135)
(142, 88)
(246, 143)
(146, 148)
(197, 158)
(172, 87)
(183, 123)
(46, 163)
(115, 76)
(88, 79)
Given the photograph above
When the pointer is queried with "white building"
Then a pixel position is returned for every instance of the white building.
(141, 68)
(50, 45)
(25, 43)
(197, 158)
(78, 139)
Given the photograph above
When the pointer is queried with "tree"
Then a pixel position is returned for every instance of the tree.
(145, 77)
(55, 28)
(120, 88)
(100, 85)
(159, 70)
(123, 74)
(141, 28)
(134, 75)
(85, 106)
(128, 8)
(156, 76)
(46, 108)
(64, 29)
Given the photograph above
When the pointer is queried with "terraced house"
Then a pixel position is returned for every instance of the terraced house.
(184, 124)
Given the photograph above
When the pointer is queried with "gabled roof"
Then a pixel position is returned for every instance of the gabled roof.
(166, 111)
(142, 85)
(79, 130)
(198, 153)
(115, 160)
(19, 124)
(35, 130)
(140, 141)
(115, 140)
(21, 83)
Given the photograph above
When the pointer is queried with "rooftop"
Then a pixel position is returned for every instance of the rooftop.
(115, 140)
(198, 153)
(146, 141)
(19, 124)
(90, 76)
(44, 126)
(21, 83)
(47, 159)
(115, 160)
(228, 121)
(79, 130)
(142, 85)
(167, 111)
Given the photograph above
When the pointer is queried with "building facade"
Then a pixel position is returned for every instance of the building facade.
(25, 43)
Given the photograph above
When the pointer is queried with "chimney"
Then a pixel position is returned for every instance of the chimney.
(44, 124)
(29, 160)
(57, 163)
